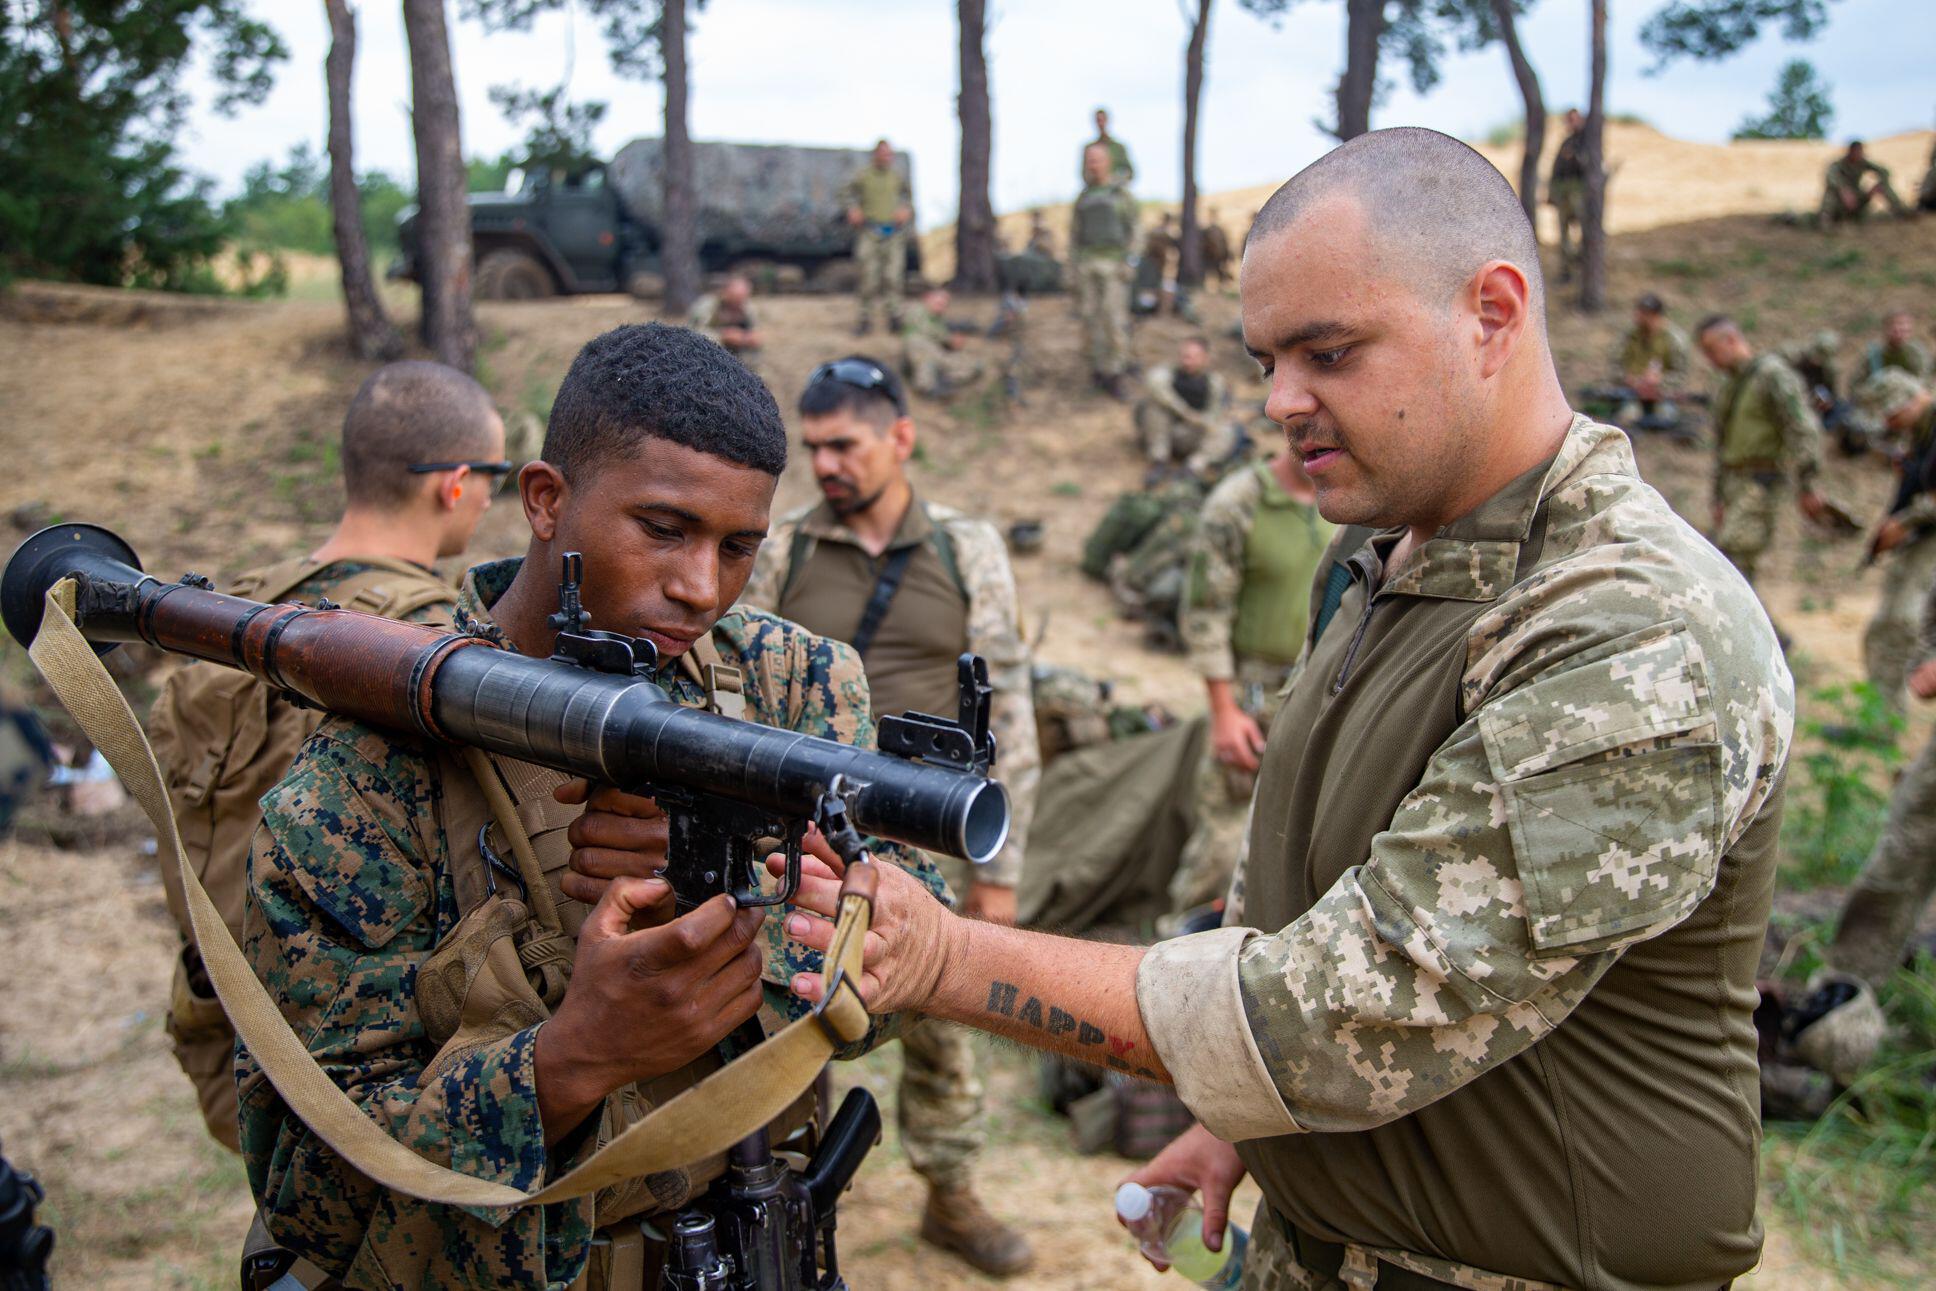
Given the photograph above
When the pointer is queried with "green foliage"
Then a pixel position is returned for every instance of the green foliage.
(631, 28)
(90, 103)
(558, 132)
(1857, 1183)
(1798, 106)
(1709, 30)
(1836, 806)
(490, 174)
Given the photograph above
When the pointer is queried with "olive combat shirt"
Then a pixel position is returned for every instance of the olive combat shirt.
(813, 570)
(1511, 859)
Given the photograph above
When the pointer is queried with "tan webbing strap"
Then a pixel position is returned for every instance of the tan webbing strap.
(537, 892)
(725, 685)
(704, 1120)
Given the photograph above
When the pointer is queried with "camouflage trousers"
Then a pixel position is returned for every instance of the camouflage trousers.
(1102, 302)
(1889, 644)
(1750, 513)
(1222, 834)
(1271, 1263)
(933, 369)
(1567, 196)
(939, 1103)
(882, 258)
(1167, 438)
(1833, 209)
(1879, 914)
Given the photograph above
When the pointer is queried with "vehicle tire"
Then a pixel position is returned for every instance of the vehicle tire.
(510, 274)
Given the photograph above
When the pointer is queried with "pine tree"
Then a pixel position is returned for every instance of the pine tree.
(1798, 106)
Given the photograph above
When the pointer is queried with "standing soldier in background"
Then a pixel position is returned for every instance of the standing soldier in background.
(880, 206)
(1244, 611)
(1844, 196)
(928, 348)
(1901, 405)
(1216, 250)
(422, 452)
(722, 316)
(1183, 420)
(1102, 228)
(1120, 169)
(1653, 350)
(1155, 282)
(1765, 436)
(912, 585)
(1896, 348)
(1566, 190)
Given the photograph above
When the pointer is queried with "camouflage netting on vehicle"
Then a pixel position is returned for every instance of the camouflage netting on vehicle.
(752, 194)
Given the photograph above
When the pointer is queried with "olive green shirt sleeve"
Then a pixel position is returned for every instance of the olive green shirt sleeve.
(1801, 431)
(1509, 881)
(995, 633)
(1215, 580)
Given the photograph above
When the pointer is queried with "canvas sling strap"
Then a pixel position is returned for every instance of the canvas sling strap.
(706, 1119)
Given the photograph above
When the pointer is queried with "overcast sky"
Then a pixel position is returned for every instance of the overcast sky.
(843, 72)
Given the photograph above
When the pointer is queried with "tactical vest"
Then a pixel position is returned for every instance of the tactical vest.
(1286, 543)
(1750, 439)
(223, 739)
(1100, 224)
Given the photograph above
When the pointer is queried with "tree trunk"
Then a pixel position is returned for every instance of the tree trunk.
(1593, 224)
(679, 249)
(1189, 255)
(444, 218)
(1364, 24)
(371, 335)
(1535, 137)
(975, 223)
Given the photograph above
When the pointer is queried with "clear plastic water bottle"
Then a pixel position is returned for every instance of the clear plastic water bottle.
(1168, 1225)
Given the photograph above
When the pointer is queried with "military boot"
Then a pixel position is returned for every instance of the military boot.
(956, 1221)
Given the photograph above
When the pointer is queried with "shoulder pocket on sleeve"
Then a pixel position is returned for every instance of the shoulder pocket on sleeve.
(1610, 773)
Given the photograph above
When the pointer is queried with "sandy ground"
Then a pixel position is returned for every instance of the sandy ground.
(205, 433)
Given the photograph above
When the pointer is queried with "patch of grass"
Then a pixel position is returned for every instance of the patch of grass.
(1857, 1183)
(1066, 489)
(1685, 270)
(1836, 811)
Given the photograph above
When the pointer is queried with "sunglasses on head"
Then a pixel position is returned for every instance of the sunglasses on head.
(859, 374)
(481, 468)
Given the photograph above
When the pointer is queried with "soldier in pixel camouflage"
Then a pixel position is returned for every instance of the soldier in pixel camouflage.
(1102, 229)
(1566, 190)
(1905, 541)
(1245, 607)
(1766, 438)
(1184, 421)
(911, 585)
(880, 207)
(1492, 956)
(1897, 348)
(1651, 361)
(1121, 171)
(722, 316)
(1848, 191)
(659, 465)
(929, 348)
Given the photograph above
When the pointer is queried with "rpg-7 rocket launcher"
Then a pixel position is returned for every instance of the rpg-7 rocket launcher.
(727, 786)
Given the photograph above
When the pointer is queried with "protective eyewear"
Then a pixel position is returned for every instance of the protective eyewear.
(481, 468)
(859, 374)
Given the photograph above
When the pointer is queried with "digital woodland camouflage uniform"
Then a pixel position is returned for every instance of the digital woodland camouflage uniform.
(880, 246)
(1185, 421)
(1844, 179)
(1244, 612)
(1482, 1005)
(1766, 434)
(934, 370)
(351, 891)
(1890, 644)
(813, 570)
(1102, 229)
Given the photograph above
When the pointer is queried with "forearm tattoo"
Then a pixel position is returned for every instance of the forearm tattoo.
(1078, 1037)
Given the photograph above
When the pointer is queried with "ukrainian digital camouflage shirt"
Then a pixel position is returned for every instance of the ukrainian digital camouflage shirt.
(1221, 563)
(351, 890)
(1764, 421)
(919, 323)
(1641, 349)
(1910, 356)
(1484, 994)
(1844, 175)
(994, 631)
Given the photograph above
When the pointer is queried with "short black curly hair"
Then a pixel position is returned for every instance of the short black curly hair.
(649, 381)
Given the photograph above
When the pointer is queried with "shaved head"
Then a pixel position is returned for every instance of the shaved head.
(409, 413)
(1442, 210)
(1392, 295)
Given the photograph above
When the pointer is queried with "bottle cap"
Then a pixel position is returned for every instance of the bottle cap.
(1133, 1201)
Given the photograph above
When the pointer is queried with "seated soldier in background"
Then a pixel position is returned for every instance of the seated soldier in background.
(1845, 194)
(1245, 606)
(659, 464)
(1183, 420)
(722, 316)
(1897, 347)
(422, 453)
(1653, 358)
(1906, 539)
(911, 585)
(928, 346)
